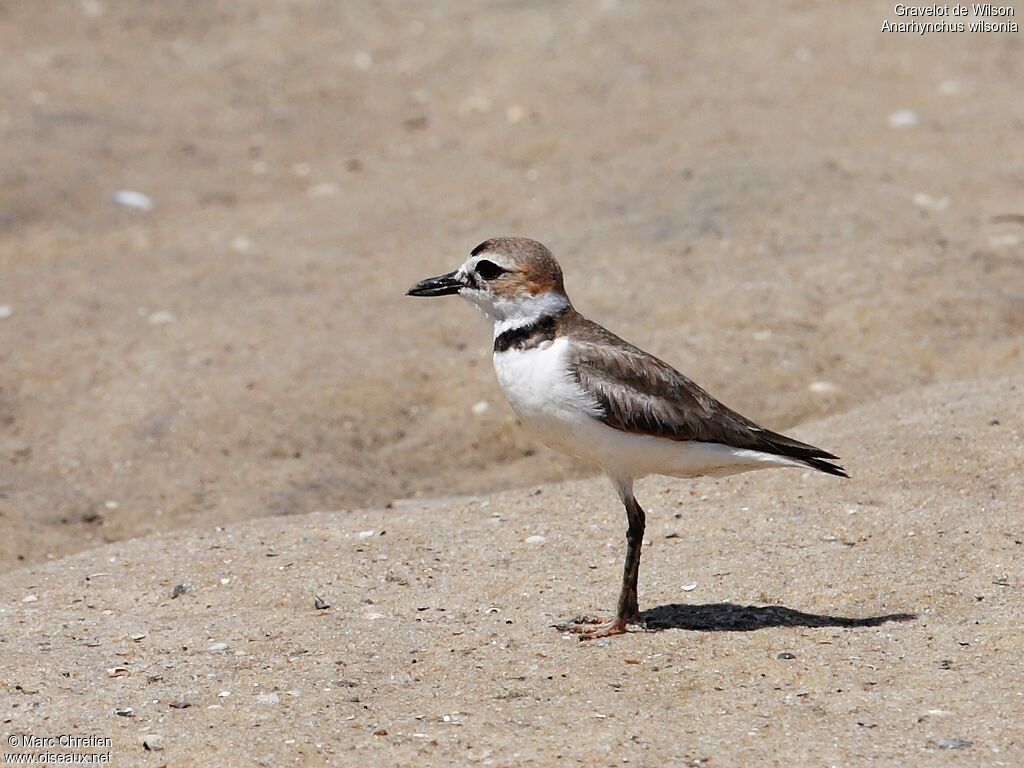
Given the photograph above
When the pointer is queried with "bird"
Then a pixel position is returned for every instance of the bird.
(584, 391)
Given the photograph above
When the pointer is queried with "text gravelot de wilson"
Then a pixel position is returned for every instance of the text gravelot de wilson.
(952, 17)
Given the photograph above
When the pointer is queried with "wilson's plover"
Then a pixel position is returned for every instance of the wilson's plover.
(584, 391)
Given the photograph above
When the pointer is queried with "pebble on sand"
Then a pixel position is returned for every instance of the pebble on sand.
(5, 311)
(515, 114)
(929, 203)
(954, 743)
(1003, 241)
(363, 60)
(476, 103)
(904, 118)
(323, 189)
(131, 198)
(537, 539)
(823, 387)
(481, 407)
(160, 317)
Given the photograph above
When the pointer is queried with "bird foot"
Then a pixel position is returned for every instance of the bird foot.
(592, 627)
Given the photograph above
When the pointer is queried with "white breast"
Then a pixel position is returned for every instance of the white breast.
(544, 394)
(551, 404)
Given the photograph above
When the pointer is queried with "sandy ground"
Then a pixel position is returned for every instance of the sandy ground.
(805, 215)
(832, 623)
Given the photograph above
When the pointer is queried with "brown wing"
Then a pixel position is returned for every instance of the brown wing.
(639, 393)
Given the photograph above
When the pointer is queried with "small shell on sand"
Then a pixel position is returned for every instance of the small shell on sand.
(823, 387)
(904, 118)
(130, 198)
(954, 743)
(363, 60)
(160, 317)
(323, 189)
(91, 8)
(1004, 241)
(515, 114)
(926, 201)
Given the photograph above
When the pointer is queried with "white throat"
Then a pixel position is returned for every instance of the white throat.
(508, 313)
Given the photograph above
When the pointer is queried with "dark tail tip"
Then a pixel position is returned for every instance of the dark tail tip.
(826, 467)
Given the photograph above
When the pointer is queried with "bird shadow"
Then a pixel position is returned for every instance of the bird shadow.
(726, 617)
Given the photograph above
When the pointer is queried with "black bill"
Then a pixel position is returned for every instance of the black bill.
(442, 285)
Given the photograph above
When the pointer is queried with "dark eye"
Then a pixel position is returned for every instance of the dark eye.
(488, 270)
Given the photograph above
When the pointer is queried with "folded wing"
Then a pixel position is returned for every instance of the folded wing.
(639, 393)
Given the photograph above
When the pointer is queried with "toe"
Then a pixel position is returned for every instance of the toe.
(609, 628)
(579, 624)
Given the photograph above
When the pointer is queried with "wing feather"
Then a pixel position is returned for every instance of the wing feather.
(638, 392)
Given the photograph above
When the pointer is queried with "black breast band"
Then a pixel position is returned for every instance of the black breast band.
(527, 336)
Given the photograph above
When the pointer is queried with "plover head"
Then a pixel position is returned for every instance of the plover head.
(512, 280)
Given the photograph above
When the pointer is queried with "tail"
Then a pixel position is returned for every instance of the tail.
(809, 455)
